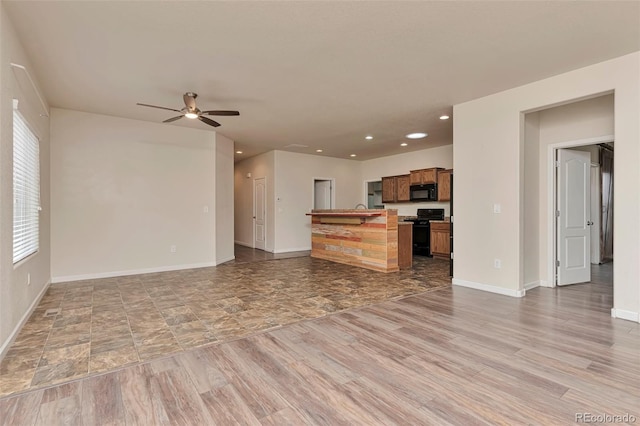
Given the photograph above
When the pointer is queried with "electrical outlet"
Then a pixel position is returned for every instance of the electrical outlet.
(173, 249)
(206, 209)
(497, 263)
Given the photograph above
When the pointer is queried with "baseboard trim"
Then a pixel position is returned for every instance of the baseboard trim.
(532, 284)
(488, 288)
(289, 250)
(23, 320)
(112, 274)
(544, 283)
(242, 243)
(625, 315)
(228, 259)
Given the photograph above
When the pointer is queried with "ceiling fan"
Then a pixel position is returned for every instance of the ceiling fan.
(191, 111)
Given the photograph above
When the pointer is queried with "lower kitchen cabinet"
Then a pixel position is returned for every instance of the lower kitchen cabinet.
(405, 245)
(440, 242)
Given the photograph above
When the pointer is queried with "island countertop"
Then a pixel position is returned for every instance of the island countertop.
(348, 212)
(358, 237)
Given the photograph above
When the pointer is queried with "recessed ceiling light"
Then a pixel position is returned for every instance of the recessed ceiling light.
(404, 144)
(444, 117)
(353, 155)
(238, 152)
(318, 150)
(369, 137)
(417, 135)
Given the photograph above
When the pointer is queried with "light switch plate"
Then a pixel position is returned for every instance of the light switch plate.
(497, 208)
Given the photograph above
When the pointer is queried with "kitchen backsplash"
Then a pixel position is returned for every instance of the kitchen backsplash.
(410, 209)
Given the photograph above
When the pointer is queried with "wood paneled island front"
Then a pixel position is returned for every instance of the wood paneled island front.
(365, 238)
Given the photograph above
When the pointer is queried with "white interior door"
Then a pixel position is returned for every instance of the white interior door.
(573, 221)
(322, 194)
(259, 213)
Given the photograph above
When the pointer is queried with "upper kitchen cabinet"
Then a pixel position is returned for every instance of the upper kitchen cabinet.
(444, 184)
(402, 187)
(395, 189)
(422, 176)
(388, 189)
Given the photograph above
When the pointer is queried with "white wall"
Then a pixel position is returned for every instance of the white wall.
(531, 199)
(123, 191)
(577, 120)
(224, 199)
(260, 166)
(488, 146)
(17, 298)
(401, 164)
(294, 176)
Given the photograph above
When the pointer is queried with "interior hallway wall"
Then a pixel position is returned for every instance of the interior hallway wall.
(224, 212)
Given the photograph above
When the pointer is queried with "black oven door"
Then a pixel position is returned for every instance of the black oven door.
(421, 239)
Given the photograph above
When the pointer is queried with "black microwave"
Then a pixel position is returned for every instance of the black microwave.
(426, 192)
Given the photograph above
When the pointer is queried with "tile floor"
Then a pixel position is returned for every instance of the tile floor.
(98, 325)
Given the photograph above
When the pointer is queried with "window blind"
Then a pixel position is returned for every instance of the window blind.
(26, 189)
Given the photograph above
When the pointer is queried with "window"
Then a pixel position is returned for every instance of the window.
(26, 188)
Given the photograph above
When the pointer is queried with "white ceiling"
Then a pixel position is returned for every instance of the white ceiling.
(321, 74)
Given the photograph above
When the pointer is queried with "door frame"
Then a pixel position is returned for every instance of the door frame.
(366, 190)
(552, 252)
(253, 221)
(313, 191)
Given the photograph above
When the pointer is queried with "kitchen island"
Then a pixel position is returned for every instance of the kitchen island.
(367, 238)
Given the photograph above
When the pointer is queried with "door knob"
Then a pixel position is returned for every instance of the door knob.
(589, 223)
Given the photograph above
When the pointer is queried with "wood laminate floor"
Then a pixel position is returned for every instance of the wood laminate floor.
(451, 356)
(87, 327)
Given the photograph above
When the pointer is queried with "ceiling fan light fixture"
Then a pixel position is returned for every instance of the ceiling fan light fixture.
(191, 115)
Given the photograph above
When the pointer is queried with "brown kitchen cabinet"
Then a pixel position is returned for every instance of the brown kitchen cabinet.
(395, 189)
(422, 176)
(444, 184)
(405, 245)
(440, 242)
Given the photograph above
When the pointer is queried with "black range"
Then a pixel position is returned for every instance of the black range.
(422, 230)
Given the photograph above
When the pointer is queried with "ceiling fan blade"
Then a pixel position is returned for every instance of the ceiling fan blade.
(159, 107)
(169, 120)
(209, 121)
(228, 113)
(190, 100)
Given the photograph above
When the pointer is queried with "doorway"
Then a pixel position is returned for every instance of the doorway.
(374, 194)
(580, 208)
(323, 193)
